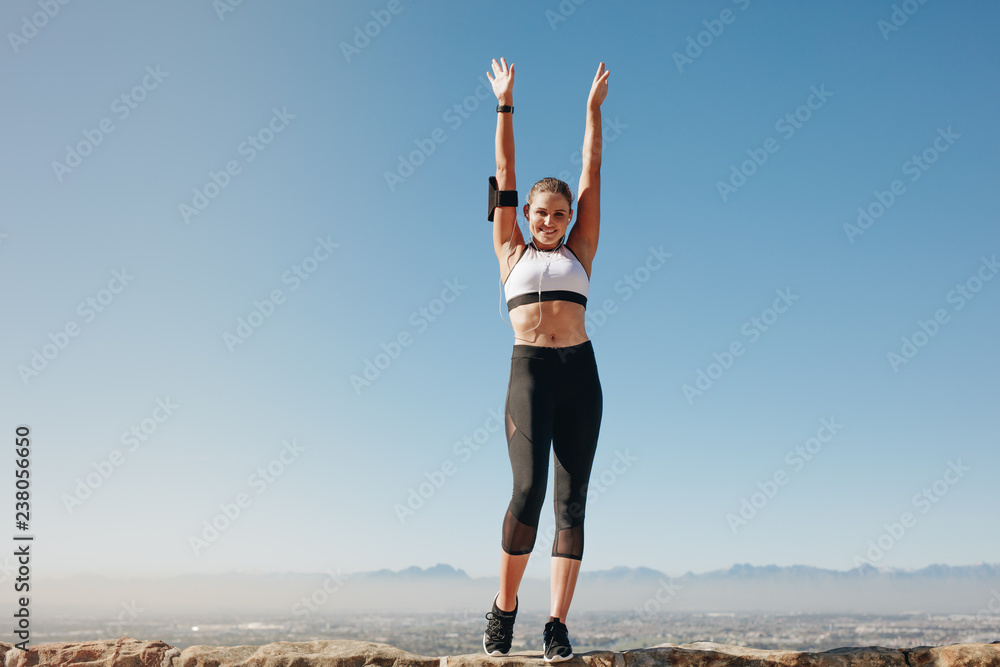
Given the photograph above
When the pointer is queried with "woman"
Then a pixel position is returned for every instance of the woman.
(554, 394)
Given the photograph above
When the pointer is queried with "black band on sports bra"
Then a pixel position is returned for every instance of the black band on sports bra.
(549, 295)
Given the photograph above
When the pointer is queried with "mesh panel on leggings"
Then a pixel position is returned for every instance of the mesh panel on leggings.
(510, 425)
(569, 542)
(518, 538)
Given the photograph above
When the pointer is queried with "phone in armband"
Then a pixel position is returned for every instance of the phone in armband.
(499, 197)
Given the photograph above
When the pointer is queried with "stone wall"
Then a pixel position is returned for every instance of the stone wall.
(129, 652)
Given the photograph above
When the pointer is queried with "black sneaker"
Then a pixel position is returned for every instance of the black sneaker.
(556, 642)
(499, 630)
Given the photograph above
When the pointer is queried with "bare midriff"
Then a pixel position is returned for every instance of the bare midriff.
(562, 324)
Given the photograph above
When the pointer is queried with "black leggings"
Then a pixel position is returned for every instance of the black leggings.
(554, 396)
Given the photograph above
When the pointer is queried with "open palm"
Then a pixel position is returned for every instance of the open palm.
(502, 79)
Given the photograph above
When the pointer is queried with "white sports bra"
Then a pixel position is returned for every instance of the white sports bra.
(546, 275)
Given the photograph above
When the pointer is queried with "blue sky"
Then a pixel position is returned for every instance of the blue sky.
(175, 168)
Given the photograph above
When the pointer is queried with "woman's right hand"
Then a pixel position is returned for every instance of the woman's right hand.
(502, 81)
(599, 89)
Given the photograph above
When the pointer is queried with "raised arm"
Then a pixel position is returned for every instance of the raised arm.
(506, 234)
(583, 237)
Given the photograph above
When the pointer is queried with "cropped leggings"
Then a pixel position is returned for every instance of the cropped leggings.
(554, 396)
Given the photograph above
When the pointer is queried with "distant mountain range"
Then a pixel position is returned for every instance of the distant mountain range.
(439, 570)
(945, 589)
(740, 571)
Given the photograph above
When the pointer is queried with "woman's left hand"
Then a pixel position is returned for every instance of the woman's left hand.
(599, 90)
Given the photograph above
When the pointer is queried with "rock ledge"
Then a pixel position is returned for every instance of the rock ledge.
(129, 652)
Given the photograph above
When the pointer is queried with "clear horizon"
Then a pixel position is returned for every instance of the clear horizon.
(534, 574)
(253, 311)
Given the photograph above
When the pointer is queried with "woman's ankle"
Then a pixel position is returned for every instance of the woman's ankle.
(506, 603)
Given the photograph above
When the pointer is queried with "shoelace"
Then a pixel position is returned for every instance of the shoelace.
(496, 628)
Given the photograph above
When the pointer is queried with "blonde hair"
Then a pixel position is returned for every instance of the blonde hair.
(553, 185)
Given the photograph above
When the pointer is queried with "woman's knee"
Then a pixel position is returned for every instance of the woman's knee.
(527, 498)
(570, 513)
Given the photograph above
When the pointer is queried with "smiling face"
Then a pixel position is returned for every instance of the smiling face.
(548, 215)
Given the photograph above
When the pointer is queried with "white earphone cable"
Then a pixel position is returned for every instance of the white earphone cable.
(540, 275)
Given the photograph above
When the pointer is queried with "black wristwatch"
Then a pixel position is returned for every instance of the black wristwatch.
(505, 109)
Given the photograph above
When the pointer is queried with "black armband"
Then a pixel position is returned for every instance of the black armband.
(500, 197)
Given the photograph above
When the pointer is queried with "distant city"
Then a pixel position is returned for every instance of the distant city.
(461, 633)
(441, 610)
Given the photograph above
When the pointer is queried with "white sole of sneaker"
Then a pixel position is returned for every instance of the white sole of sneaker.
(492, 654)
(555, 659)
(558, 659)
